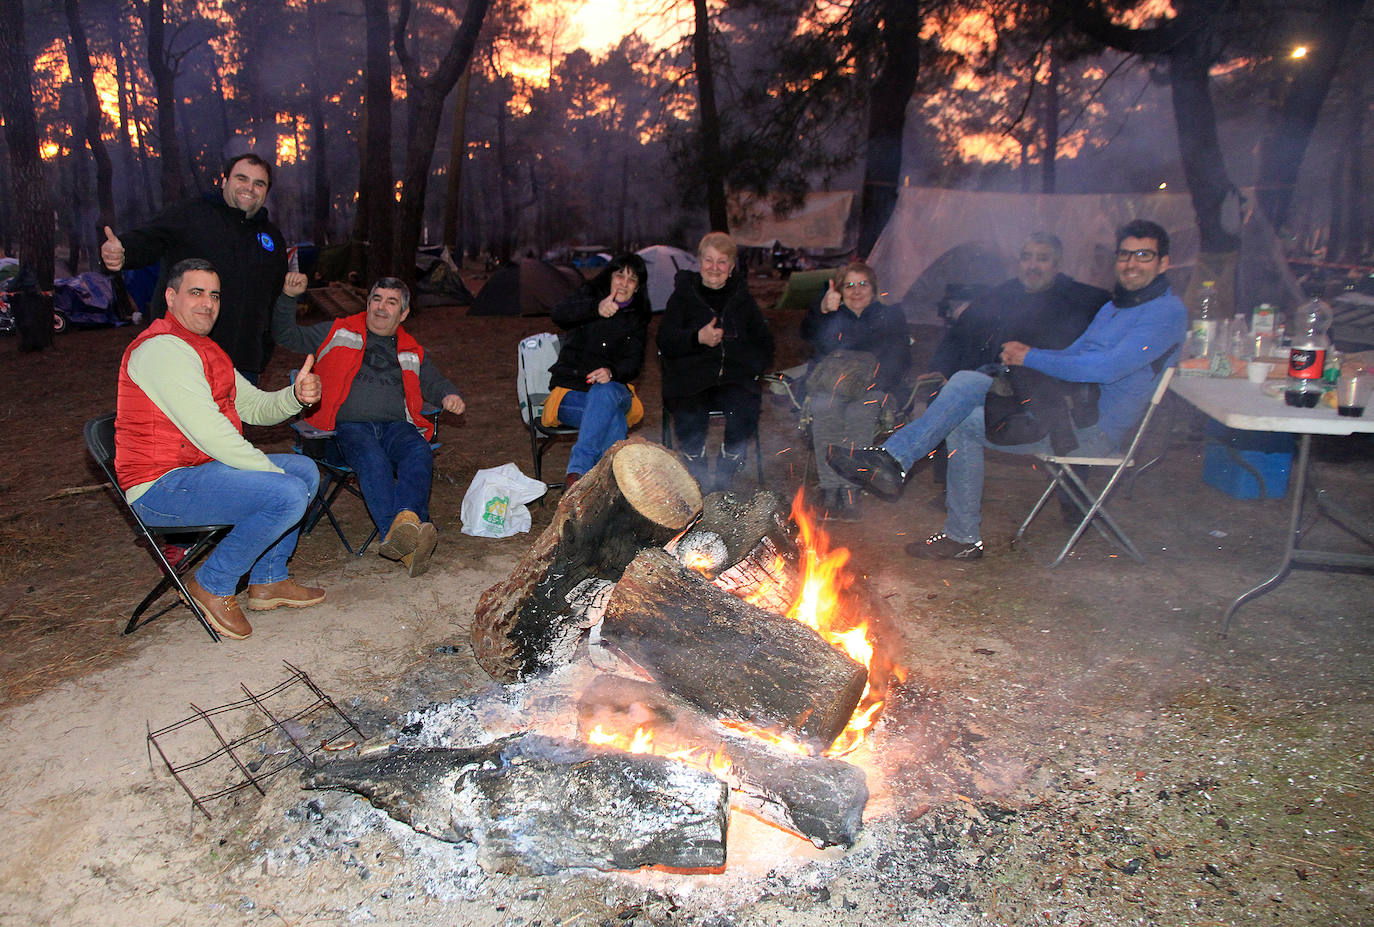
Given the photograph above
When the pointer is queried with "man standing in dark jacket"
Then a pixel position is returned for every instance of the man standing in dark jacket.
(232, 232)
(714, 342)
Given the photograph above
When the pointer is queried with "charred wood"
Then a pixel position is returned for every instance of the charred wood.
(729, 658)
(638, 495)
(534, 805)
(818, 798)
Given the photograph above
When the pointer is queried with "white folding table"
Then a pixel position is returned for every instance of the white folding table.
(1241, 404)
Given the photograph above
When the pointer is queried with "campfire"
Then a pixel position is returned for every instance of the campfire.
(727, 659)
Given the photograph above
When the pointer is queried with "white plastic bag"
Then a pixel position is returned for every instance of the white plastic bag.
(495, 504)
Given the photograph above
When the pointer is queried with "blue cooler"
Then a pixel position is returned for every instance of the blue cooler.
(1234, 459)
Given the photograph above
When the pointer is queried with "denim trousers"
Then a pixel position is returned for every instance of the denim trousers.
(598, 414)
(265, 509)
(691, 414)
(394, 464)
(956, 416)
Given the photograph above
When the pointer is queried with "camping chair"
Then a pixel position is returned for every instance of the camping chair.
(534, 356)
(1063, 476)
(100, 442)
(337, 476)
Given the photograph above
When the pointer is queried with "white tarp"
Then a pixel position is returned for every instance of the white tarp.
(927, 223)
(817, 225)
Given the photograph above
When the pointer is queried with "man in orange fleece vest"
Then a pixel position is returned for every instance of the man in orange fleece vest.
(376, 379)
(181, 457)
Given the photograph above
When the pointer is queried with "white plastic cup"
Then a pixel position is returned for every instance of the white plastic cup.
(1258, 371)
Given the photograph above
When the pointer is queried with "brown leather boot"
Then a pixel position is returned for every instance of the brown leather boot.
(417, 561)
(402, 536)
(267, 596)
(222, 611)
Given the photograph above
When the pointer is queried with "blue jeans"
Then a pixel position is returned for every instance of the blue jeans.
(956, 416)
(599, 417)
(395, 466)
(265, 509)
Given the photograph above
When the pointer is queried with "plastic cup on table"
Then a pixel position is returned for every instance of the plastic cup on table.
(1258, 372)
(1352, 392)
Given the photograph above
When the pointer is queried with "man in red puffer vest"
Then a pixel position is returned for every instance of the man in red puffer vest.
(376, 379)
(181, 457)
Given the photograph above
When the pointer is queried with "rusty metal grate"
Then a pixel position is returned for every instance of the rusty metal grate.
(220, 766)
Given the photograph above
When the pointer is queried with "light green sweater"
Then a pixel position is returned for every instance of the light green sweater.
(172, 375)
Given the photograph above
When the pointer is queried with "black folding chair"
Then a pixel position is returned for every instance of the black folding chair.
(100, 442)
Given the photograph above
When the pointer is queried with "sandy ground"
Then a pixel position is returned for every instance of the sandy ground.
(1076, 746)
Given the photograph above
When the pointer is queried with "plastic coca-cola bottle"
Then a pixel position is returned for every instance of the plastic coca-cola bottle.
(1307, 359)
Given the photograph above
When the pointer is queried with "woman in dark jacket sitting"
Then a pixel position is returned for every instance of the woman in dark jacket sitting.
(606, 324)
(715, 342)
(862, 354)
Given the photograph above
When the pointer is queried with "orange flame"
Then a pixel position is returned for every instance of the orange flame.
(818, 607)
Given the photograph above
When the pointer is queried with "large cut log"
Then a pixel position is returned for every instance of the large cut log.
(638, 495)
(817, 798)
(727, 657)
(534, 805)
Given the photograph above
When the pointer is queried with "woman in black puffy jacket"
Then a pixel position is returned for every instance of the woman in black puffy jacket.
(606, 326)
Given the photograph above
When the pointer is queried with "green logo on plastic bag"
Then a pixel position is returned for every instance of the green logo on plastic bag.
(495, 511)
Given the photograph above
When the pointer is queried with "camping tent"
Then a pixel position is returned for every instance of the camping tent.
(663, 263)
(527, 287)
(441, 284)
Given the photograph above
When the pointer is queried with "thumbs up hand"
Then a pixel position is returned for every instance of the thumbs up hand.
(112, 251)
(711, 333)
(308, 388)
(831, 301)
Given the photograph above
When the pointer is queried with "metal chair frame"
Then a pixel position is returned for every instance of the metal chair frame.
(99, 434)
(337, 477)
(532, 390)
(1093, 505)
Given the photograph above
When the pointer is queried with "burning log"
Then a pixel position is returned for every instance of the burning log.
(745, 546)
(817, 798)
(534, 805)
(638, 495)
(730, 658)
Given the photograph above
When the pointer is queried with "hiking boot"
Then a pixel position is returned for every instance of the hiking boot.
(728, 467)
(942, 547)
(849, 506)
(402, 536)
(221, 611)
(263, 597)
(417, 561)
(870, 468)
(697, 466)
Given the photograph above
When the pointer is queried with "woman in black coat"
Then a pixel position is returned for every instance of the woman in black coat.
(606, 324)
(714, 342)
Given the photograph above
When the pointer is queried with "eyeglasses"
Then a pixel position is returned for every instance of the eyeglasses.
(1140, 255)
(850, 284)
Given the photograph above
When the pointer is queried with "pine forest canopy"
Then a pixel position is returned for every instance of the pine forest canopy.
(507, 126)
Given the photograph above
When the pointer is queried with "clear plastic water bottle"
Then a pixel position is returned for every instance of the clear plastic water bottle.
(1307, 358)
(1206, 320)
(1242, 344)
